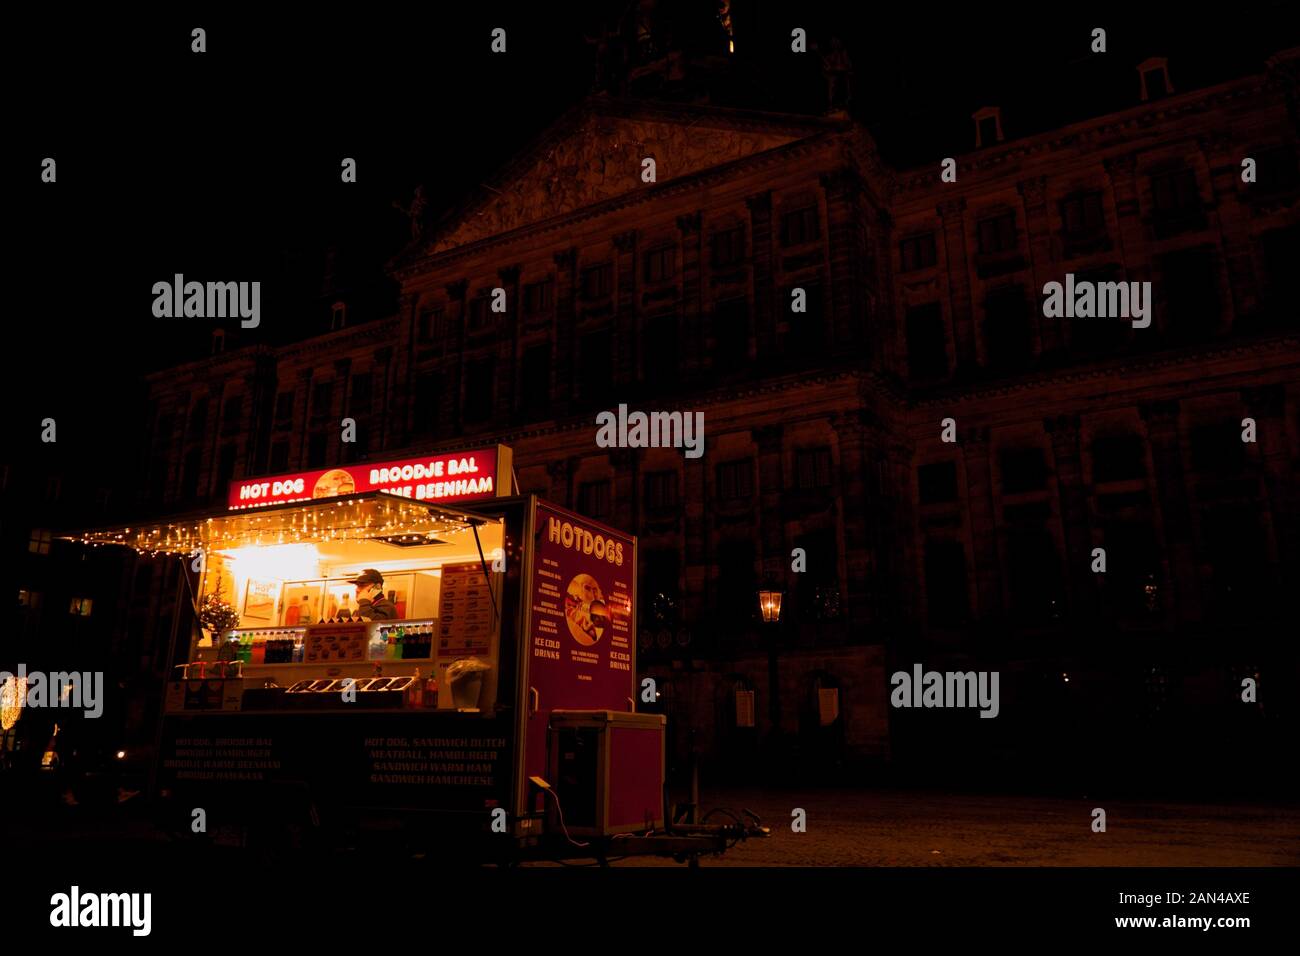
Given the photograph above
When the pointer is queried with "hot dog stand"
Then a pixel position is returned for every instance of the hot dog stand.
(493, 717)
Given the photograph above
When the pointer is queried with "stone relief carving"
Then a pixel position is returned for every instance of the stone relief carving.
(602, 160)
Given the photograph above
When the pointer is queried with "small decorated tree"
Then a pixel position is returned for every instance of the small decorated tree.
(215, 614)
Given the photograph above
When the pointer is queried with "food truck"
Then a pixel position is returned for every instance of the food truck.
(486, 710)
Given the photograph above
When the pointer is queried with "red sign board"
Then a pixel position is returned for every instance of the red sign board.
(581, 641)
(454, 476)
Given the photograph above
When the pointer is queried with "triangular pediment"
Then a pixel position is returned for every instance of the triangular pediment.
(593, 156)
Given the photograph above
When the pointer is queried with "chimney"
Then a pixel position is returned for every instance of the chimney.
(1155, 78)
(988, 126)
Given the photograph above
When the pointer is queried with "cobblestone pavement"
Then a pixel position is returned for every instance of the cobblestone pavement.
(891, 828)
(919, 828)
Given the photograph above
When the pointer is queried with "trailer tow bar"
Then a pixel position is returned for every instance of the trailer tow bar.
(687, 842)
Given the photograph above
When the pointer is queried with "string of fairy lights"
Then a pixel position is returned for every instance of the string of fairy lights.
(13, 695)
(392, 519)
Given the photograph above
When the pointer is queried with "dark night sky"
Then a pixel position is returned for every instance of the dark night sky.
(226, 165)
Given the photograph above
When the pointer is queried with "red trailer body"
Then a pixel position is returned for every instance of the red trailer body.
(565, 612)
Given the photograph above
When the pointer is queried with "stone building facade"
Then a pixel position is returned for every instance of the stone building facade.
(922, 302)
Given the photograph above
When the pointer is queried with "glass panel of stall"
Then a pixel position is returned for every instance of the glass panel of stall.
(297, 606)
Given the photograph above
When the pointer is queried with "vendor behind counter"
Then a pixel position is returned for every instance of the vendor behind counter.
(372, 602)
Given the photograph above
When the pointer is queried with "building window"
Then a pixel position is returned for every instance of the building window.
(39, 542)
(338, 316)
(1098, 335)
(431, 325)
(918, 252)
(1082, 216)
(800, 226)
(737, 585)
(1034, 575)
(190, 474)
(735, 480)
(927, 347)
(812, 468)
(730, 334)
(593, 499)
(535, 379)
(53, 488)
(1280, 251)
(198, 418)
(1175, 192)
(1191, 292)
(1022, 469)
(1276, 170)
(279, 456)
(1133, 572)
(225, 465)
(231, 415)
(480, 315)
(817, 590)
(937, 482)
(598, 281)
(1007, 335)
(283, 411)
(946, 597)
(355, 450)
(1176, 202)
(1240, 583)
(660, 490)
(659, 264)
(29, 599)
(659, 345)
(539, 296)
(1117, 458)
(597, 357)
(1217, 449)
(362, 393)
(728, 247)
(997, 234)
(427, 399)
(81, 606)
(322, 396)
(808, 328)
(479, 382)
(316, 450)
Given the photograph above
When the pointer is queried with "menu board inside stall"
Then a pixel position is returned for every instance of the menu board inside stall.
(465, 616)
(335, 642)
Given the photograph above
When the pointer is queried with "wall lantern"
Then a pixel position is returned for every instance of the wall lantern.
(769, 602)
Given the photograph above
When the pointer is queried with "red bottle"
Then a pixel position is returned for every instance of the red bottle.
(414, 691)
(431, 693)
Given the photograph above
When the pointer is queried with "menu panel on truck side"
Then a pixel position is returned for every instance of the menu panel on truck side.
(582, 631)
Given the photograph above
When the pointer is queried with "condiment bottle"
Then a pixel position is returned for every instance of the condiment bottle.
(431, 692)
(415, 691)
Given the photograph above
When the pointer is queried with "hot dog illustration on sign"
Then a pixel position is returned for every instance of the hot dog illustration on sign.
(585, 610)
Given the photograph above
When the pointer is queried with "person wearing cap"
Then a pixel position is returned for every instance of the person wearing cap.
(372, 602)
